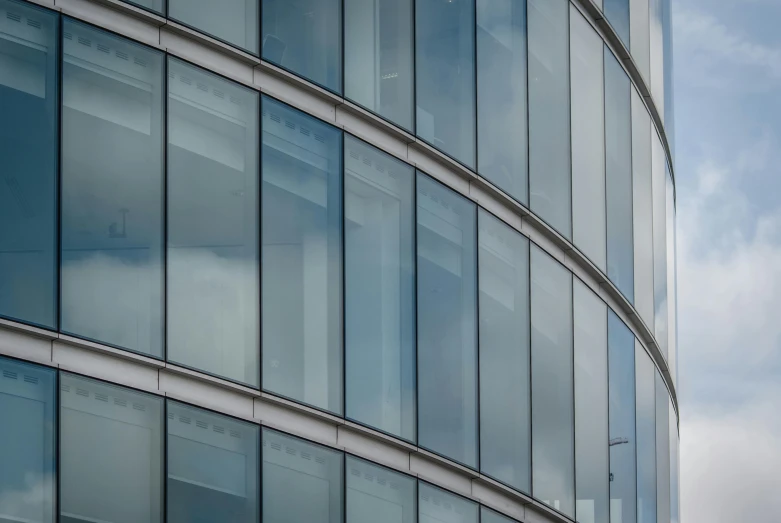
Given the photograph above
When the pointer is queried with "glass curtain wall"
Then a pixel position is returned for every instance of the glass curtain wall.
(447, 322)
(29, 105)
(232, 21)
(377, 494)
(663, 459)
(672, 278)
(617, 13)
(639, 24)
(489, 516)
(674, 466)
(642, 219)
(302, 257)
(440, 506)
(659, 191)
(646, 435)
(656, 52)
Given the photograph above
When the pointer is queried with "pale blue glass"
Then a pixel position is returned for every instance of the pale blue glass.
(659, 193)
(378, 494)
(675, 495)
(617, 13)
(662, 450)
(639, 28)
(642, 210)
(29, 104)
(646, 435)
(440, 506)
(232, 21)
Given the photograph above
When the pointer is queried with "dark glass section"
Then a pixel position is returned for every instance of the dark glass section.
(232, 21)
(378, 494)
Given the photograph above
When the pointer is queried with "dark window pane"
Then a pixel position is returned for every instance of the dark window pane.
(302, 257)
(662, 451)
(505, 439)
(642, 220)
(232, 21)
(501, 90)
(447, 317)
(378, 57)
(28, 147)
(379, 250)
(445, 76)
(27, 442)
(378, 494)
(440, 506)
(212, 272)
(106, 429)
(213, 467)
(305, 37)
(646, 436)
(617, 13)
(623, 479)
(301, 481)
(553, 460)
(112, 190)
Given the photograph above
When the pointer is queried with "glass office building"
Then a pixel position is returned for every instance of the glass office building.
(337, 261)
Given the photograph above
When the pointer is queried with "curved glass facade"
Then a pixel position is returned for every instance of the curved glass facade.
(493, 288)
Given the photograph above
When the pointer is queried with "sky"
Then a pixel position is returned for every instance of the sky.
(727, 65)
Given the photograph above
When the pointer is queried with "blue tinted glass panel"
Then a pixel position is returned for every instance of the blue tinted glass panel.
(301, 481)
(549, 113)
(662, 451)
(305, 37)
(623, 479)
(617, 13)
(445, 76)
(112, 190)
(447, 322)
(553, 460)
(642, 219)
(27, 442)
(646, 436)
(378, 494)
(618, 175)
(105, 429)
(302, 257)
(501, 91)
(379, 228)
(505, 438)
(28, 148)
(212, 272)
(439, 506)
(379, 57)
(213, 467)
(659, 193)
(232, 21)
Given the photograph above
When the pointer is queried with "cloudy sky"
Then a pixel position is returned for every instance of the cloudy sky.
(728, 142)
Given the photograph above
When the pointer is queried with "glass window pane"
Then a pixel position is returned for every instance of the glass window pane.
(618, 162)
(657, 64)
(445, 77)
(379, 250)
(501, 91)
(305, 37)
(302, 257)
(666, 103)
(549, 113)
(232, 21)
(662, 451)
(659, 190)
(213, 467)
(112, 190)
(646, 436)
(617, 13)
(212, 224)
(447, 317)
(27, 442)
(153, 5)
(378, 57)
(623, 480)
(672, 279)
(297, 487)
(440, 506)
(642, 220)
(489, 516)
(639, 12)
(378, 494)
(588, 140)
(591, 405)
(553, 460)
(505, 439)
(28, 147)
(105, 428)
(674, 467)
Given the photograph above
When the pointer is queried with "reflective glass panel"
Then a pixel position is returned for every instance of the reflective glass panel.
(674, 467)
(305, 37)
(672, 280)
(505, 439)
(378, 494)
(623, 479)
(378, 57)
(489, 516)
(154, 5)
(379, 246)
(447, 322)
(591, 406)
(439, 506)
(445, 77)
(639, 24)
(501, 92)
(666, 105)
(618, 163)
(302, 257)
(617, 13)
(588, 140)
(212, 260)
(301, 481)
(659, 191)
(112, 190)
(662, 451)
(553, 460)
(27, 442)
(213, 467)
(646, 436)
(642, 220)
(28, 147)
(105, 429)
(232, 21)
(656, 52)
(549, 113)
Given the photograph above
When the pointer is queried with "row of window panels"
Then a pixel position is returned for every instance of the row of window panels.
(130, 457)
